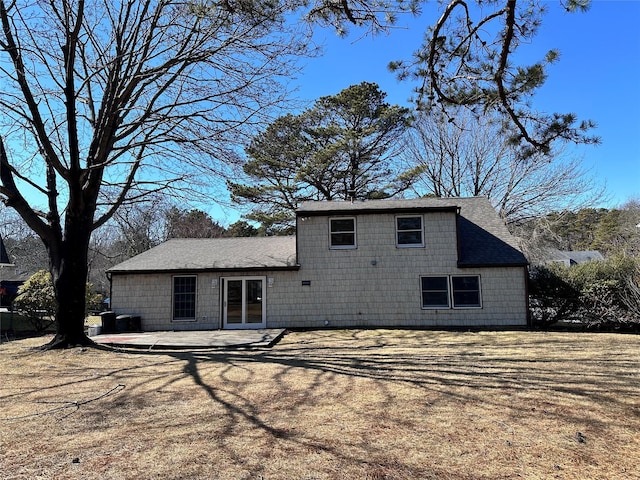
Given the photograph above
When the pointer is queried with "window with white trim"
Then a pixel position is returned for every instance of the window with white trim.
(184, 297)
(466, 291)
(409, 231)
(435, 292)
(451, 291)
(342, 232)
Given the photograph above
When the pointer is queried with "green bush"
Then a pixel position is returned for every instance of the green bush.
(36, 300)
(93, 300)
(552, 296)
(603, 288)
(602, 294)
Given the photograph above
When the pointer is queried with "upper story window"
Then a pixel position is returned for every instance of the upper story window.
(409, 231)
(342, 232)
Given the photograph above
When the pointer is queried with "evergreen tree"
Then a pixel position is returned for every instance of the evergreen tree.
(344, 147)
(241, 229)
(191, 224)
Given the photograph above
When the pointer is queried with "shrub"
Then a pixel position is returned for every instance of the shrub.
(93, 300)
(36, 300)
(552, 296)
(631, 296)
(603, 294)
(603, 286)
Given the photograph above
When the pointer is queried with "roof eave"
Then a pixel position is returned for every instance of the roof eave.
(205, 270)
(492, 265)
(373, 211)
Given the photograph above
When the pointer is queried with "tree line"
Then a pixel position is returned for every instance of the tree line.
(612, 232)
(132, 231)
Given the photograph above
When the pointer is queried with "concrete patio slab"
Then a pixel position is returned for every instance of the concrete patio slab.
(193, 339)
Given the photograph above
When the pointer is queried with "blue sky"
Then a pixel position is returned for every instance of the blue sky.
(597, 78)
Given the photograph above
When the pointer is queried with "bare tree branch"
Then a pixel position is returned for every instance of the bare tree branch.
(467, 61)
(471, 157)
(106, 103)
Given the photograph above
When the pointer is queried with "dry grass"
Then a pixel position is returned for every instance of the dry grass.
(373, 404)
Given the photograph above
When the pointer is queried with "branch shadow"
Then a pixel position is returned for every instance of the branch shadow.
(448, 370)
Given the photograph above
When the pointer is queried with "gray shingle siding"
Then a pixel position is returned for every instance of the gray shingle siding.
(310, 285)
(483, 239)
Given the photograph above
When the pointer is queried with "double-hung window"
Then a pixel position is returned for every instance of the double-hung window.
(466, 291)
(184, 298)
(455, 291)
(342, 232)
(409, 231)
(435, 292)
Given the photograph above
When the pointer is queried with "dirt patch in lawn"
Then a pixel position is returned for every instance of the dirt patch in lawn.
(358, 404)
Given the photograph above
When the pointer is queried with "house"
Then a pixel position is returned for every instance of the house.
(570, 258)
(10, 278)
(4, 257)
(411, 263)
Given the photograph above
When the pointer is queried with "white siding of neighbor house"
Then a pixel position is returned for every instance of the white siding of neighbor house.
(376, 284)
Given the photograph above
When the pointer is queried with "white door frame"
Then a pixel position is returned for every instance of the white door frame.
(243, 324)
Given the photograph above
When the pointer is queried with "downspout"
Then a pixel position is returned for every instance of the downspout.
(297, 236)
(220, 303)
(458, 243)
(109, 277)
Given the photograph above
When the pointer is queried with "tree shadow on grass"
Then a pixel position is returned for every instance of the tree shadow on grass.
(483, 370)
(472, 372)
(474, 365)
(465, 374)
(234, 410)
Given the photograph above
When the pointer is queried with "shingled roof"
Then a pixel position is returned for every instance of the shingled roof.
(206, 254)
(483, 237)
(483, 240)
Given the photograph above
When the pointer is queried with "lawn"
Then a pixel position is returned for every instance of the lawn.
(360, 404)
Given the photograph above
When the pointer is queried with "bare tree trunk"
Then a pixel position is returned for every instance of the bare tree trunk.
(95, 93)
(69, 269)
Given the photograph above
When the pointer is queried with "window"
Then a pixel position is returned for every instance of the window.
(409, 232)
(342, 233)
(184, 298)
(435, 292)
(466, 291)
(441, 291)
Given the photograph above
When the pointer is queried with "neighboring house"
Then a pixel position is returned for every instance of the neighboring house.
(410, 263)
(4, 257)
(572, 257)
(10, 278)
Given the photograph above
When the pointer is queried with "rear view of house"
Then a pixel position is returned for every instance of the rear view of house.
(412, 263)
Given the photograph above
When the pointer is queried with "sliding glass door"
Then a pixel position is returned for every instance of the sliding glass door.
(244, 302)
